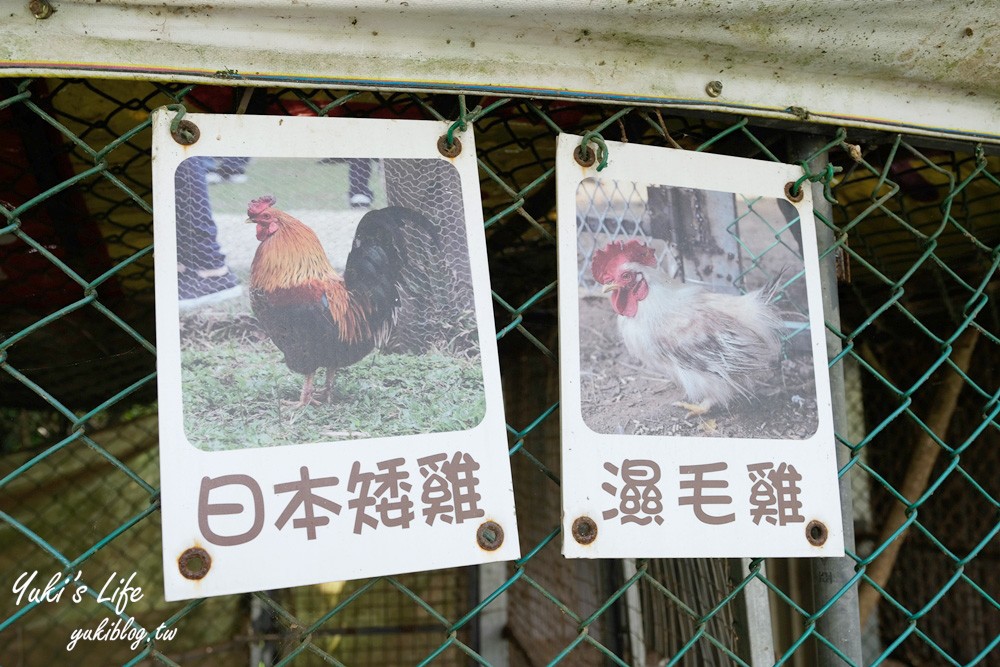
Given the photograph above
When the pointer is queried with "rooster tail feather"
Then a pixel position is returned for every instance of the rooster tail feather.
(396, 257)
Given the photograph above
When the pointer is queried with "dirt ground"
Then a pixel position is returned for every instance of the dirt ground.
(620, 396)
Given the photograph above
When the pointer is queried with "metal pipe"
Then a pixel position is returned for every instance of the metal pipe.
(841, 624)
(755, 634)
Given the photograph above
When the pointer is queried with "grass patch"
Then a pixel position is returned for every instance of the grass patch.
(233, 391)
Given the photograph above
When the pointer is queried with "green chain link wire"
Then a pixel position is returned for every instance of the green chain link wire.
(303, 633)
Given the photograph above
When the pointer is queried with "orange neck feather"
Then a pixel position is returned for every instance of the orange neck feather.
(290, 257)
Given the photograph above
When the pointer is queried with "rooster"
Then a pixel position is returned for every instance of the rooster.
(715, 347)
(316, 317)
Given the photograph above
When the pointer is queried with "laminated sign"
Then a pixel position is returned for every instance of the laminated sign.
(696, 415)
(329, 390)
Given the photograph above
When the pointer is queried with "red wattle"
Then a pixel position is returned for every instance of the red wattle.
(266, 229)
(626, 301)
(641, 291)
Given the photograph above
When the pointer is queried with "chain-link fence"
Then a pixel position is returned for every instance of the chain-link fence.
(911, 227)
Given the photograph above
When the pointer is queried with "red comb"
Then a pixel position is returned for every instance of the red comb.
(616, 253)
(260, 204)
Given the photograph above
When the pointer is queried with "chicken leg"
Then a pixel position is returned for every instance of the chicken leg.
(306, 396)
(694, 409)
(328, 392)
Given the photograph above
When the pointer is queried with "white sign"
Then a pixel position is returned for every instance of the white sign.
(329, 389)
(696, 415)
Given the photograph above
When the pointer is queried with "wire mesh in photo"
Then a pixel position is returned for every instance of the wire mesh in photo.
(284, 312)
(704, 318)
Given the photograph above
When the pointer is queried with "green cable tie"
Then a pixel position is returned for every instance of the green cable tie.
(826, 176)
(458, 124)
(450, 135)
(175, 124)
(181, 111)
(599, 140)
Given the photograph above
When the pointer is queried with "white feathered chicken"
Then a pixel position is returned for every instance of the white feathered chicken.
(715, 347)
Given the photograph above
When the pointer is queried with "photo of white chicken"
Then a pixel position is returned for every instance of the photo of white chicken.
(716, 347)
(693, 315)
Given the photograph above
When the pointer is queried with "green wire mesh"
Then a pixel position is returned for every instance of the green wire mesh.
(916, 241)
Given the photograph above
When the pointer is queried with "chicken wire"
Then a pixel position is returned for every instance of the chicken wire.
(912, 228)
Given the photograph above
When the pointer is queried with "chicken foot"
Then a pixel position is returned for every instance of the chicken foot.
(306, 396)
(694, 409)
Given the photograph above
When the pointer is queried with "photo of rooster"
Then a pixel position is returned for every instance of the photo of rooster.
(715, 347)
(352, 322)
(313, 315)
(711, 352)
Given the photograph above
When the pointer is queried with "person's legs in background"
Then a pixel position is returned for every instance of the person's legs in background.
(202, 273)
(359, 194)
